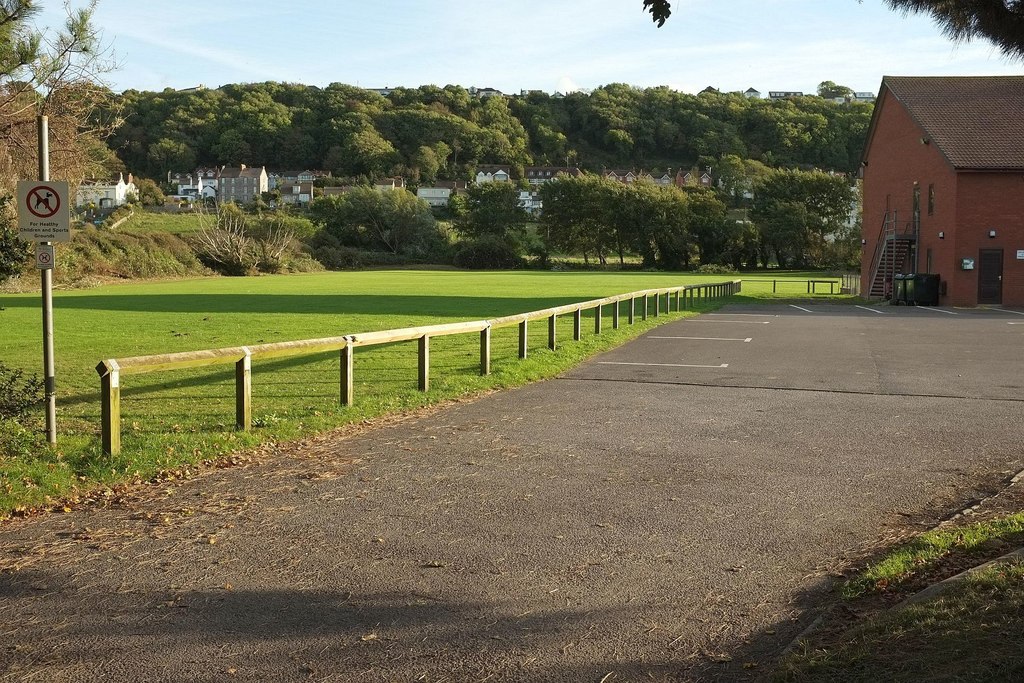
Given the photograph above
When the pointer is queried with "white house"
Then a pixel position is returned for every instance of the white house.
(106, 194)
(296, 193)
(531, 202)
(492, 173)
(438, 194)
(538, 175)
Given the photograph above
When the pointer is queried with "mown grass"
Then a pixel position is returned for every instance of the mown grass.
(971, 632)
(171, 419)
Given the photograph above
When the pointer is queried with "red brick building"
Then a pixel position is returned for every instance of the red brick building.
(943, 185)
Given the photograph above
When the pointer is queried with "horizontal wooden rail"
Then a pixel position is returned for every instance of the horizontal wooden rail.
(110, 370)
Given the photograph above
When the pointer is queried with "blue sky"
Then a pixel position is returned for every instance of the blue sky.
(535, 44)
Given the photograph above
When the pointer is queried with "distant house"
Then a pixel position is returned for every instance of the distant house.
(241, 184)
(275, 178)
(531, 202)
(488, 173)
(942, 178)
(200, 183)
(106, 194)
(383, 92)
(538, 175)
(484, 93)
(863, 97)
(662, 179)
(335, 190)
(621, 175)
(388, 184)
(752, 93)
(296, 194)
(693, 178)
(438, 194)
(709, 89)
(784, 94)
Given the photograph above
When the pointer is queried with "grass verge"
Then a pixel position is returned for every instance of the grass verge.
(951, 549)
(971, 632)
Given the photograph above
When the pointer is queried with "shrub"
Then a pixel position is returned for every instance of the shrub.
(716, 269)
(17, 393)
(487, 253)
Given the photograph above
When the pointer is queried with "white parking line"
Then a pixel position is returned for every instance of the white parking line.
(664, 365)
(746, 341)
(1015, 323)
(753, 315)
(741, 322)
(801, 308)
(935, 310)
(870, 309)
(1003, 310)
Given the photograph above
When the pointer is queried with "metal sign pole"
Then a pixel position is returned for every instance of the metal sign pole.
(46, 275)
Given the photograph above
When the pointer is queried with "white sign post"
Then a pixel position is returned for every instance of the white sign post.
(44, 212)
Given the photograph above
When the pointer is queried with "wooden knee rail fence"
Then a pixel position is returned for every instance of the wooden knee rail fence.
(110, 370)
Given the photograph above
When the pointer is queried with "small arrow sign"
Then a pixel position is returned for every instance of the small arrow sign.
(44, 213)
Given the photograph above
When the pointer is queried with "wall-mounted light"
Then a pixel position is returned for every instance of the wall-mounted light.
(942, 235)
(991, 233)
(863, 242)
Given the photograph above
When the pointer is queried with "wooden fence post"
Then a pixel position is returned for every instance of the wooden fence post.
(632, 309)
(523, 339)
(485, 351)
(577, 324)
(677, 302)
(243, 392)
(110, 408)
(657, 304)
(424, 364)
(597, 320)
(643, 311)
(553, 332)
(615, 314)
(347, 373)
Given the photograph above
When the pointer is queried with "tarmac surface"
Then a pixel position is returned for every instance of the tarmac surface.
(673, 510)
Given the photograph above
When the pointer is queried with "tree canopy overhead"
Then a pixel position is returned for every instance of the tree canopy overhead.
(1000, 21)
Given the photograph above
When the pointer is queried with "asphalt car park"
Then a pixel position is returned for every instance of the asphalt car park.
(674, 510)
(893, 350)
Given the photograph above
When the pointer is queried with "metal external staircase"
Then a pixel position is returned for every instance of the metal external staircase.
(894, 248)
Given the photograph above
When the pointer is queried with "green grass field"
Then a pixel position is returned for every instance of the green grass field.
(176, 223)
(178, 417)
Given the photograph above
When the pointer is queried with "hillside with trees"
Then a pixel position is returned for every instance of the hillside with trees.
(432, 132)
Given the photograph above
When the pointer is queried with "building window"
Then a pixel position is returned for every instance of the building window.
(931, 198)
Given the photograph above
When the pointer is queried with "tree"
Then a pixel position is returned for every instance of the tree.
(56, 74)
(999, 21)
(149, 193)
(394, 221)
(831, 90)
(493, 210)
(797, 212)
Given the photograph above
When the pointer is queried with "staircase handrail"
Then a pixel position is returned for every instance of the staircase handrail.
(876, 260)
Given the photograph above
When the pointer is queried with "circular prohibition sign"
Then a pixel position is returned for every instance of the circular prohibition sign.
(43, 202)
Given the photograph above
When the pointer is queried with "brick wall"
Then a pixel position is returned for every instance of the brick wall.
(990, 201)
(966, 206)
